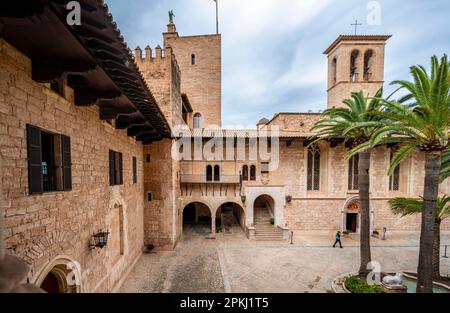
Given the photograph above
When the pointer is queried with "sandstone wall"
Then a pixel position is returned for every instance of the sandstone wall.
(39, 228)
(201, 81)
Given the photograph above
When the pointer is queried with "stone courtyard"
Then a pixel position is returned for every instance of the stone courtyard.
(231, 263)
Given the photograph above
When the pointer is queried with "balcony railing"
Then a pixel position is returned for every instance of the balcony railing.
(224, 179)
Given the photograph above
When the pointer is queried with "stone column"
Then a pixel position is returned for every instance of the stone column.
(213, 225)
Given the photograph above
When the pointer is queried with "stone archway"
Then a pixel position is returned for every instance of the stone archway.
(62, 275)
(197, 218)
(276, 193)
(351, 216)
(230, 214)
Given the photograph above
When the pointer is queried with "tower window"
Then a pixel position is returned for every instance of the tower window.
(197, 120)
(353, 164)
(368, 64)
(313, 168)
(193, 60)
(333, 71)
(354, 58)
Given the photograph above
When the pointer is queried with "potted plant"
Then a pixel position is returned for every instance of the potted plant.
(345, 233)
(149, 248)
(272, 221)
(376, 234)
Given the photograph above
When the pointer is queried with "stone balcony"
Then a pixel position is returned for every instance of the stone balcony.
(203, 179)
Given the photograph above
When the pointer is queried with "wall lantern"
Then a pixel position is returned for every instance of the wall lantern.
(243, 199)
(289, 198)
(100, 239)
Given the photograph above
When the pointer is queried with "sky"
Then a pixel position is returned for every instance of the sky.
(272, 57)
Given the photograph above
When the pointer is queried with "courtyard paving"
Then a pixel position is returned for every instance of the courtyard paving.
(231, 263)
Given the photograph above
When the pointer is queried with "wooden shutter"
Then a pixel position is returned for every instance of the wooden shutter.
(66, 163)
(120, 169)
(34, 160)
(111, 167)
(134, 170)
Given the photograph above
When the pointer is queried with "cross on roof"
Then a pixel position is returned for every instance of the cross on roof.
(356, 24)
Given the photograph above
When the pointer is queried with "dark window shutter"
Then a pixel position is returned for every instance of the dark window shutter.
(120, 169)
(34, 160)
(134, 170)
(66, 163)
(111, 167)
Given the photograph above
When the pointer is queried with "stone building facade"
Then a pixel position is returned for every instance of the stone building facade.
(301, 192)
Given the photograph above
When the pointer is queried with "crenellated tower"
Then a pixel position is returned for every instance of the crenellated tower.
(355, 63)
(200, 61)
(163, 76)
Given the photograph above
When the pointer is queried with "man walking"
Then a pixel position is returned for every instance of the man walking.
(338, 239)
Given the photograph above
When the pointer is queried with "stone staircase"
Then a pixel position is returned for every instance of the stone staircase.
(264, 231)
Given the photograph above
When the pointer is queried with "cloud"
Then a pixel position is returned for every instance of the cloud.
(272, 57)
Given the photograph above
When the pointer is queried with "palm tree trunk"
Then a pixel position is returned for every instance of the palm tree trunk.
(436, 249)
(430, 194)
(364, 186)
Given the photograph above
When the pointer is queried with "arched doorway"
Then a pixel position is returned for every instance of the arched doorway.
(351, 216)
(230, 217)
(263, 209)
(197, 219)
(60, 276)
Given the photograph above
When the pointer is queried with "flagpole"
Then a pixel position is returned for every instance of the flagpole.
(217, 16)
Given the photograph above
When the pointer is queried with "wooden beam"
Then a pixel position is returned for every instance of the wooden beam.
(45, 72)
(87, 96)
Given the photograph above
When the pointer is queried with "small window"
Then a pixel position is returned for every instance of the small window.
(216, 173)
(197, 120)
(193, 60)
(134, 170)
(353, 164)
(49, 161)
(115, 168)
(252, 172)
(149, 196)
(264, 167)
(394, 179)
(209, 173)
(148, 157)
(245, 172)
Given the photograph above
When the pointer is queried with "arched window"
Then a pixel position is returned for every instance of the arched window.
(216, 173)
(193, 61)
(313, 168)
(394, 179)
(245, 172)
(354, 58)
(209, 173)
(252, 172)
(353, 172)
(333, 71)
(197, 120)
(368, 64)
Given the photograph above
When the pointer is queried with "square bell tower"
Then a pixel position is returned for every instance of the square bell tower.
(355, 63)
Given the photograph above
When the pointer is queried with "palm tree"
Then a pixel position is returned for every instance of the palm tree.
(343, 123)
(410, 206)
(421, 121)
